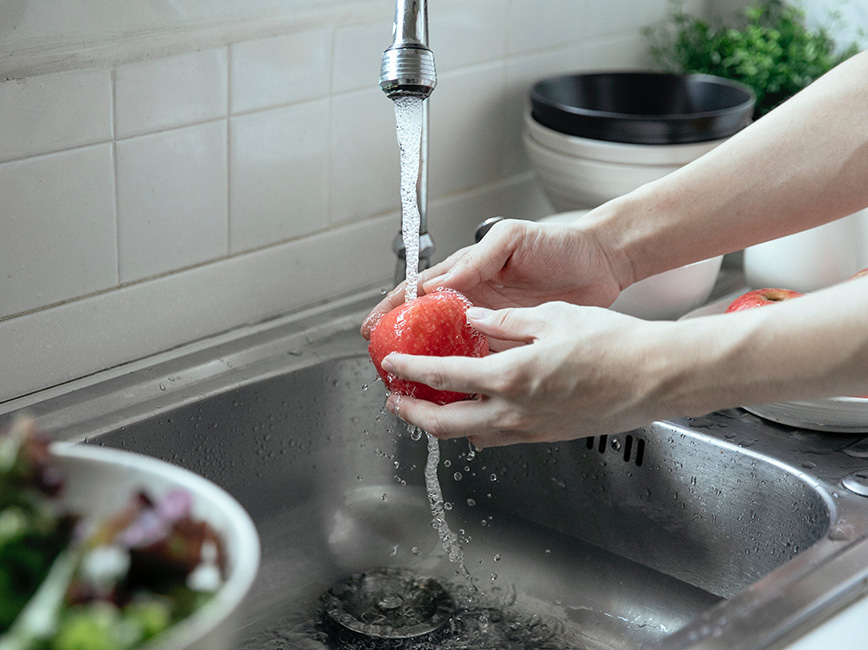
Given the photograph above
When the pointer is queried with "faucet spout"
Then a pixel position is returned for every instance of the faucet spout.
(407, 68)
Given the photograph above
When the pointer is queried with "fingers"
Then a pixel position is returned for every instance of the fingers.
(475, 264)
(471, 419)
(517, 325)
(457, 374)
(455, 420)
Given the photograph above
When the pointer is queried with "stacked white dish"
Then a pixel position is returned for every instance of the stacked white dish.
(580, 173)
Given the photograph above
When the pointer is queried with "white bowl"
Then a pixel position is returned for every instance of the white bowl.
(671, 294)
(99, 481)
(581, 173)
(573, 183)
(665, 296)
(618, 152)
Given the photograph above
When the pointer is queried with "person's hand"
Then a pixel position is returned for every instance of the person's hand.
(520, 264)
(564, 372)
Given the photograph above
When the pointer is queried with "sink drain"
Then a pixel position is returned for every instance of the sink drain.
(389, 605)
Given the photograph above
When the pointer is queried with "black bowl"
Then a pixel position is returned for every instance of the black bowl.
(643, 107)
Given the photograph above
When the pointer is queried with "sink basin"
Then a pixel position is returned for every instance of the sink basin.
(716, 532)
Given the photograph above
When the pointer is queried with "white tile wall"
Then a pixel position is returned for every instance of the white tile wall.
(359, 49)
(254, 162)
(33, 121)
(613, 16)
(466, 140)
(58, 228)
(364, 155)
(469, 33)
(280, 70)
(172, 199)
(539, 25)
(279, 174)
(170, 92)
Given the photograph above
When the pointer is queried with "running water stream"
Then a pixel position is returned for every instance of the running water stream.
(408, 119)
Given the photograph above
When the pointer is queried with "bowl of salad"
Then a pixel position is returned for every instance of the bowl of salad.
(102, 549)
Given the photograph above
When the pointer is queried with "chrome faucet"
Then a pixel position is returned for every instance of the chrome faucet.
(408, 69)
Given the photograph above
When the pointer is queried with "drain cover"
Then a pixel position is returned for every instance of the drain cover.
(388, 604)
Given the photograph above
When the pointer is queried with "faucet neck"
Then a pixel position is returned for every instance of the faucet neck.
(411, 23)
(407, 68)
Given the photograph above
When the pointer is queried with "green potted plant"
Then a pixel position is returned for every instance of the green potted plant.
(770, 48)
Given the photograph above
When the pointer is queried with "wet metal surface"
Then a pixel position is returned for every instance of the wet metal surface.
(714, 532)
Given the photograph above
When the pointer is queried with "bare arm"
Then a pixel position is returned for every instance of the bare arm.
(804, 164)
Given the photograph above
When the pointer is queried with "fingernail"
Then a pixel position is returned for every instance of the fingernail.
(477, 313)
(387, 364)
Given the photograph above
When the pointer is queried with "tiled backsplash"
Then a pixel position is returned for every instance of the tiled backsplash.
(149, 203)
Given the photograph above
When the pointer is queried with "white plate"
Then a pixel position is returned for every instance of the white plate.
(833, 414)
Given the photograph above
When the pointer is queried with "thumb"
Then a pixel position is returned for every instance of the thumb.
(511, 324)
(476, 264)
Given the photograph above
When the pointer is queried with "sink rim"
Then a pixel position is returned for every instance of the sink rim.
(773, 611)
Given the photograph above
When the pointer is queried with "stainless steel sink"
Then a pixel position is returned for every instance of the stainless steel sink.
(717, 532)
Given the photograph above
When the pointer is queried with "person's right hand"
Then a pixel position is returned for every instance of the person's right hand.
(521, 264)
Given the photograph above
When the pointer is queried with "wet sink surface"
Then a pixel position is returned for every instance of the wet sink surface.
(697, 533)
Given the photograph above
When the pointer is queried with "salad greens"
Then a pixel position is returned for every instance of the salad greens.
(67, 583)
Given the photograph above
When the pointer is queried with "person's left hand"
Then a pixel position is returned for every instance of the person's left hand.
(561, 372)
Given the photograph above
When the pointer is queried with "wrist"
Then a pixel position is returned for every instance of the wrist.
(607, 227)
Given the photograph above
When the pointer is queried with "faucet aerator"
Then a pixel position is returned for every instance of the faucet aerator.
(408, 71)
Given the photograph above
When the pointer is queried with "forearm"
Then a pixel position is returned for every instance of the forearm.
(804, 164)
(809, 347)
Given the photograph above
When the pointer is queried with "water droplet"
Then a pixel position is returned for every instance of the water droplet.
(447, 463)
(497, 558)
(842, 533)
(162, 386)
(458, 476)
(493, 477)
(471, 502)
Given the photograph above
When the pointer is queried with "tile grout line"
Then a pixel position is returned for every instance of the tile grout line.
(116, 184)
(330, 163)
(229, 77)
